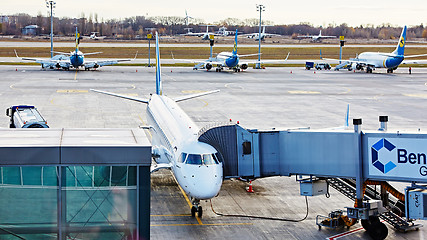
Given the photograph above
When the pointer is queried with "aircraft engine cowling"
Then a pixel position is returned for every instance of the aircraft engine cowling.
(244, 66)
(208, 66)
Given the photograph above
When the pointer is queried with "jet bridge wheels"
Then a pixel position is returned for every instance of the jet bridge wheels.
(376, 229)
(199, 211)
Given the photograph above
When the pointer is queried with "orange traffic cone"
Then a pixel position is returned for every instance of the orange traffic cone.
(250, 189)
(136, 70)
(291, 71)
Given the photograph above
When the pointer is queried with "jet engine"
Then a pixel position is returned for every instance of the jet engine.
(244, 66)
(208, 66)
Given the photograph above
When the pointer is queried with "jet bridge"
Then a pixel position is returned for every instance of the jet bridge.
(348, 160)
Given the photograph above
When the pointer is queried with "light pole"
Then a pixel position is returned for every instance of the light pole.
(149, 36)
(51, 5)
(260, 8)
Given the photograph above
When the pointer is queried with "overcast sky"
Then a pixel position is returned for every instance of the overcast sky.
(317, 12)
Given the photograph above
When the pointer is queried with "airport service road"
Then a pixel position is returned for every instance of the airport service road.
(71, 44)
(262, 99)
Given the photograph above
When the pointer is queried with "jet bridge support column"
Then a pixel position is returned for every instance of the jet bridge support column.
(359, 167)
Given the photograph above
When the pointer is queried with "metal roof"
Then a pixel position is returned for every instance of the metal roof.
(74, 147)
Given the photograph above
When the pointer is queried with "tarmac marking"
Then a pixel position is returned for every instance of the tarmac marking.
(416, 95)
(188, 201)
(348, 90)
(75, 75)
(71, 91)
(303, 92)
(344, 234)
(237, 87)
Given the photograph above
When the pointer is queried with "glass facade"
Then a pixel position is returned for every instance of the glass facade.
(70, 202)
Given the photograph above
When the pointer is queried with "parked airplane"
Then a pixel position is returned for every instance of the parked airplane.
(58, 61)
(263, 35)
(94, 37)
(316, 38)
(372, 60)
(74, 59)
(205, 35)
(230, 60)
(222, 31)
(175, 144)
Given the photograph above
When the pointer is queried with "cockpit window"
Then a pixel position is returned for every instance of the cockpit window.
(199, 159)
(182, 158)
(195, 159)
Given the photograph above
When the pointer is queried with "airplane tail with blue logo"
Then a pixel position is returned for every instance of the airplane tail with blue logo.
(400, 49)
(158, 72)
(235, 44)
(77, 40)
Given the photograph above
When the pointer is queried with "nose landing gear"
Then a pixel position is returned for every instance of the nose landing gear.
(196, 208)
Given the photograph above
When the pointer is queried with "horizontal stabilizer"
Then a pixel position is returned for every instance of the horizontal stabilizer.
(92, 53)
(122, 96)
(183, 98)
(61, 53)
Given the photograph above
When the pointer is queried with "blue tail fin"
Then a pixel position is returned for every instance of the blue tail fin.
(347, 115)
(235, 44)
(158, 80)
(77, 40)
(400, 49)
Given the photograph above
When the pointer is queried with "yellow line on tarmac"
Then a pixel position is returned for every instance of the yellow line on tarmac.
(188, 201)
(75, 75)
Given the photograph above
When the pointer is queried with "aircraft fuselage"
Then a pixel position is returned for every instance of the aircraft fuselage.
(194, 164)
(380, 60)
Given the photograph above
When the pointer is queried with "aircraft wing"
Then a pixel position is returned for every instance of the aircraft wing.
(143, 100)
(268, 61)
(193, 34)
(56, 61)
(304, 36)
(414, 61)
(414, 56)
(186, 97)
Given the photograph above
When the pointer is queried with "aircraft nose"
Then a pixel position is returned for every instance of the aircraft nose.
(206, 182)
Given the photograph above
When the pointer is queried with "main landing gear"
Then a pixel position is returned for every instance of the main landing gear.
(196, 208)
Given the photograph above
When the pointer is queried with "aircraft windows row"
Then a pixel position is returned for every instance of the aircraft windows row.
(199, 159)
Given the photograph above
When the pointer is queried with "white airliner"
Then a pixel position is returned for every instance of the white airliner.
(175, 144)
(205, 35)
(74, 59)
(94, 37)
(316, 38)
(263, 35)
(230, 60)
(372, 60)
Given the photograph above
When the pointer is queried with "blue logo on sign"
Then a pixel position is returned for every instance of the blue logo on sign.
(382, 143)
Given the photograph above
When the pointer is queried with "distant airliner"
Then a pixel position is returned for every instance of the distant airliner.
(316, 38)
(372, 60)
(230, 60)
(74, 59)
(94, 37)
(195, 165)
(205, 35)
(256, 35)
